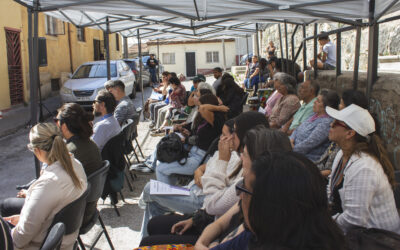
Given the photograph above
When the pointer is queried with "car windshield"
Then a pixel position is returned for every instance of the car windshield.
(94, 71)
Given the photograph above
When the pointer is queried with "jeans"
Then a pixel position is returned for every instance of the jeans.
(160, 204)
(153, 74)
(154, 110)
(151, 161)
(246, 83)
(162, 115)
(165, 171)
(254, 82)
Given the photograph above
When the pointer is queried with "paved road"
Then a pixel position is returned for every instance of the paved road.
(17, 167)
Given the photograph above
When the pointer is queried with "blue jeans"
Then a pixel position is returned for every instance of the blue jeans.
(151, 161)
(247, 83)
(164, 171)
(255, 81)
(153, 74)
(161, 204)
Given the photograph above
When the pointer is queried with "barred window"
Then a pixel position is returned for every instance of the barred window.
(54, 26)
(80, 33)
(168, 58)
(212, 56)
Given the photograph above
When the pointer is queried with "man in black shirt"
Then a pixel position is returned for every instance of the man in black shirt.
(152, 63)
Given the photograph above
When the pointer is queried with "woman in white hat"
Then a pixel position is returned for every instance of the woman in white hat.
(361, 185)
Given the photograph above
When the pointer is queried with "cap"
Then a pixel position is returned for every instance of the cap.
(199, 78)
(357, 118)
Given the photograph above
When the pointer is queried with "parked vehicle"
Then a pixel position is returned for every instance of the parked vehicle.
(134, 66)
(243, 59)
(89, 79)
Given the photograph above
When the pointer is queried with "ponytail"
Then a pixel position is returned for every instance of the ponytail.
(373, 146)
(47, 137)
(59, 152)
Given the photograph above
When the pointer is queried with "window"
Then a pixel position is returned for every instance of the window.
(80, 32)
(168, 58)
(212, 56)
(116, 41)
(54, 26)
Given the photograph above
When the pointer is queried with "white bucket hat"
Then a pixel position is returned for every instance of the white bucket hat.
(357, 118)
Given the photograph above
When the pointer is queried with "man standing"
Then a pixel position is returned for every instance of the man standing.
(107, 127)
(152, 64)
(125, 109)
(307, 92)
(327, 57)
(217, 75)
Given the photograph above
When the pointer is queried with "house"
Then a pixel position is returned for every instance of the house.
(191, 57)
(66, 48)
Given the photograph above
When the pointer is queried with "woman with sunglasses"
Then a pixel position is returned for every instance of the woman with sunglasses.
(361, 185)
(281, 216)
(310, 138)
(256, 142)
(214, 191)
(62, 181)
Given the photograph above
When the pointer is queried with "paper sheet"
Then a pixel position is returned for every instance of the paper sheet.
(156, 96)
(160, 188)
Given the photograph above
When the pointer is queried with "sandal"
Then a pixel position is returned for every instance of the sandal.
(158, 132)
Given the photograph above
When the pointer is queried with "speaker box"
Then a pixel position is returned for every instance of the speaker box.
(42, 52)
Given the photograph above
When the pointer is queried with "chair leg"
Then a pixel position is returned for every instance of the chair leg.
(116, 210)
(136, 156)
(128, 181)
(106, 233)
(81, 245)
(140, 150)
(122, 197)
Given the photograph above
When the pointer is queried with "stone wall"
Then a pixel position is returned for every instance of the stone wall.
(389, 43)
(385, 103)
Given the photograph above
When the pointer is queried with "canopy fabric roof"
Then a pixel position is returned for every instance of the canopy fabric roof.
(165, 19)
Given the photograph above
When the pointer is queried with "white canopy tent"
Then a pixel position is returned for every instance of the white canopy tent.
(163, 19)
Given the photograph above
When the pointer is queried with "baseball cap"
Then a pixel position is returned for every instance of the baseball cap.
(357, 118)
(199, 78)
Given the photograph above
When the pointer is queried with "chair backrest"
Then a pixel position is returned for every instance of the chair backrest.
(396, 190)
(54, 238)
(244, 98)
(97, 180)
(113, 152)
(72, 214)
(128, 131)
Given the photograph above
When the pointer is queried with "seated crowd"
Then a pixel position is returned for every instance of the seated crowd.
(302, 173)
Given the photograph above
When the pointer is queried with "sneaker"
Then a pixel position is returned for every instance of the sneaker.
(141, 167)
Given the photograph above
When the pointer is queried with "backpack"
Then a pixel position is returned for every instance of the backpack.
(171, 149)
(372, 239)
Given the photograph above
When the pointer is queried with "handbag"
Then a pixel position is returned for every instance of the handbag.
(171, 149)
(372, 239)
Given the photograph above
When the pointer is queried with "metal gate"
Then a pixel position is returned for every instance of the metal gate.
(15, 76)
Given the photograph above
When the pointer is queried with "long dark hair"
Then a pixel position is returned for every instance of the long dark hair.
(204, 99)
(76, 119)
(374, 147)
(289, 194)
(246, 121)
(228, 87)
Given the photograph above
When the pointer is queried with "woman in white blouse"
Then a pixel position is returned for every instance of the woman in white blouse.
(361, 185)
(60, 183)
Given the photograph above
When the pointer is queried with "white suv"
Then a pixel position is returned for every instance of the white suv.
(90, 78)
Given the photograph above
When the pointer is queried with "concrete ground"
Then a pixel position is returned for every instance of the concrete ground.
(17, 167)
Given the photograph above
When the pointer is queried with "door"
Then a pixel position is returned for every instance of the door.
(96, 50)
(190, 64)
(15, 77)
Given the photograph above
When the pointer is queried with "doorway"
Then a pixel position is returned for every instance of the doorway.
(190, 64)
(15, 77)
(97, 52)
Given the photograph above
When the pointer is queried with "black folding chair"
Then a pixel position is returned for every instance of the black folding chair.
(127, 147)
(134, 135)
(54, 238)
(72, 214)
(96, 180)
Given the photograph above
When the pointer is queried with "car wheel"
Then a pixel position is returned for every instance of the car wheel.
(133, 94)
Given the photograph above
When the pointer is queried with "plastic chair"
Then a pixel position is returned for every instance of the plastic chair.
(54, 238)
(96, 180)
(72, 214)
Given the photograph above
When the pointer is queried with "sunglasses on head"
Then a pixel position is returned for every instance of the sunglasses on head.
(239, 188)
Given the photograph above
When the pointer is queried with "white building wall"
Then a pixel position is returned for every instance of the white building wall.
(200, 49)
